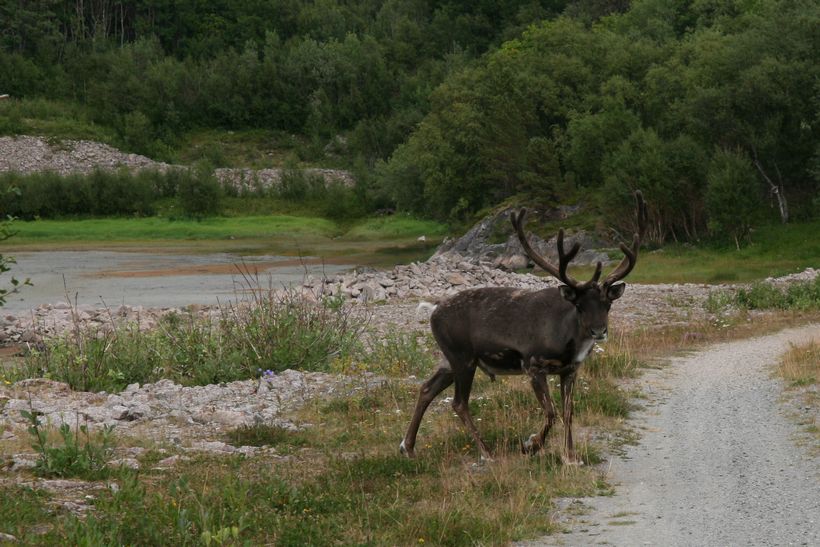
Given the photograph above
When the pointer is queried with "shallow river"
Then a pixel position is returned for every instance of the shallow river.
(110, 278)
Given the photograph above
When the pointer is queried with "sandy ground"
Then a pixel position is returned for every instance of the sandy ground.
(109, 278)
(717, 464)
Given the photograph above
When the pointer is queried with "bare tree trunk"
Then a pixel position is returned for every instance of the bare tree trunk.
(775, 189)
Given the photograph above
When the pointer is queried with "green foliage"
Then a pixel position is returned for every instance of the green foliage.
(799, 296)
(82, 455)
(795, 296)
(448, 107)
(49, 195)
(398, 353)
(276, 331)
(21, 508)
(732, 195)
(199, 192)
(646, 100)
(260, 434)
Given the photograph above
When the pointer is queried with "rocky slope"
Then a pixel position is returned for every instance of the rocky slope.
(27, 154)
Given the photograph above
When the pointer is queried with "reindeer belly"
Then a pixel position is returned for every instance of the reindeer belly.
(501, 363)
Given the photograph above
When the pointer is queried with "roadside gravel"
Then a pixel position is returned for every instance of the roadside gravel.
(717, 463)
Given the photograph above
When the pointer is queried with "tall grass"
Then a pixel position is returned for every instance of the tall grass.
(800, 366)
(274, 330)
(799, 296)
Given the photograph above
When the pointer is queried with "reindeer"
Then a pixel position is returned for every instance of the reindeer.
(506, 331)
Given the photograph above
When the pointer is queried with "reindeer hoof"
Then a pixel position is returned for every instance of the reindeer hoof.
(572, 461)
(529, 446)
(404, 450)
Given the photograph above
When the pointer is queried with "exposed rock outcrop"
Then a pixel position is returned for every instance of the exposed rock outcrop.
(478, 244)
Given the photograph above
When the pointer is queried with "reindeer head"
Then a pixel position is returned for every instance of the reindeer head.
(591, 298)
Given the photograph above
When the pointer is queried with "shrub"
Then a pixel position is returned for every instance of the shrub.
(199, 192)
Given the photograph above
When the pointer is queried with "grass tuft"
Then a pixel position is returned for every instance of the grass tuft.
(800, 366)
(273, 330)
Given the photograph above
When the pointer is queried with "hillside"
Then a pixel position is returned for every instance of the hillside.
(445, 108)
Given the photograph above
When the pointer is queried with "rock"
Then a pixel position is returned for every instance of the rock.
(137, 411)
(23, 461)
(30, 336)
(129, 463)
(512, 262)
(7, 538)
(456, 278)
(119, 412)
(212, 446)
(171, 461)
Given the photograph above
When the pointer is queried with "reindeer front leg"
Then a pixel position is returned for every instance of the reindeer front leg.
(567, 381)
(538, 380)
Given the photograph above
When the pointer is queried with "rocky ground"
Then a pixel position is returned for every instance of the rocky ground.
(185, 420)
(27, 154)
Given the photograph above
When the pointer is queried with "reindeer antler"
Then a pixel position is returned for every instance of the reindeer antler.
(630, 255)
(564, 257)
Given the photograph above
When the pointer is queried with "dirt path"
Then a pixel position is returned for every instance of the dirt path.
(717, 463)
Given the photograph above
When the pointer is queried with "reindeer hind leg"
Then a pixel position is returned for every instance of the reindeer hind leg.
(437, 383)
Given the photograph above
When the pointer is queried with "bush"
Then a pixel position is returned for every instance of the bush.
(102, 193)
(732, 195)
(199, 192)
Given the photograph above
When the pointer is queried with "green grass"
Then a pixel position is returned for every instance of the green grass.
(288, 235)
(265, 435)
(800, 296)
(395, 226)
(340, 484)
(775, 250)
(22, 508)
(235, 227)
(269, 331)
(152, 229)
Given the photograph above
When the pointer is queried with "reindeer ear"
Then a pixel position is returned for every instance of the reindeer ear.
(614, 292)
(568, 293)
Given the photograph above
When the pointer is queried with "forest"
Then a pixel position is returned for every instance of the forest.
(446, 108)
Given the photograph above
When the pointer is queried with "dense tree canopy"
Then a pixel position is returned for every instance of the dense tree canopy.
(454, 106)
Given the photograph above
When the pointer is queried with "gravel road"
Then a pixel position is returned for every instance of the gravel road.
(717, 463)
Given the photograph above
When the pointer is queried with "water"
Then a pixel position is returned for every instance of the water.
(111, 278)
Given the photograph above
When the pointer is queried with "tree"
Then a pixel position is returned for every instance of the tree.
(732, 195)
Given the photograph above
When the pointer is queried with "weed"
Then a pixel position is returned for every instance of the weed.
(396, 353)
(800, 296)
(265, 435)
(81, 455)
(800, 366)
(273, 330)
(22, 508)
